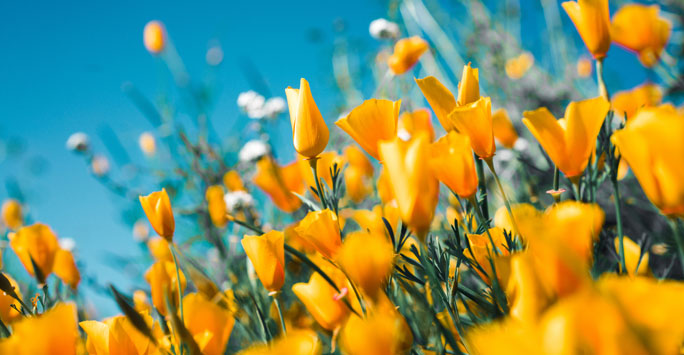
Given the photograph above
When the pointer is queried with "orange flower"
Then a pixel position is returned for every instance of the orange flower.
(65, 268)
(309, 131)
(592, 20)
(569, 142)
(206, 320)
(469, 87)
(356, 158)
(451, 160)
(411, 123)
(367, 259)
(279, 183)
(233, 181)
(11, 214)
(7, 313)
(475, 120)
(154, 37)
(322, 231)
(160, 249)
(39, 242)
(638, 28)
(584, 67)
(372, 121)
(218, 211)
(357, 185)
(407, 52)
(415, 188)
(440, 99)
(516, 67)
(384, 186)
(324, 164)
(57, 330)
(157, 207)
(163, 284)
(117, 335)
(267, 255)
(320, 300)
(629, 102)
(503, 128)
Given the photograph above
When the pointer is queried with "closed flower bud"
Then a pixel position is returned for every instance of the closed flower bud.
(451, 160)
(469, 87)
(163, 284)
(592, 20)
(279, 183)
(320, 229)
(372, 121)
(503, 128)
(157, 207)
(475, 120)
(65, 268)
(309, 131)
(218, 211)
(37, 242)
(11, 214)
(154, 37)
(267, 255)
(233, 181)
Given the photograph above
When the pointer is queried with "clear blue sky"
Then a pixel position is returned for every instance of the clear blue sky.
(62, 65)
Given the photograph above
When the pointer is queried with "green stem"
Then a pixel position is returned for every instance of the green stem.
(483, 222)
(172, 246)
(314, 167)
(481, 185)
(618, 221)
(280, 313)
(490, 164)
(556, 184)
(603, 89)
(679, 239)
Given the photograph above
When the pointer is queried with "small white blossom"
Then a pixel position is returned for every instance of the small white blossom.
(252, 103)
(214, 55)
(67, 244)
(274, 107)
(505, 155)
(253, 150)
(521, 144)
(78, 141)
(383, 29)
(100, 165)
(238, 199)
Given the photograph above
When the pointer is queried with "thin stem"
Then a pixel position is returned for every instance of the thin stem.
(314, 167)
(556, 184)
(178, 281)
(603, 89)
(280, 313)
(490, 164)
(481, 185)
(618, 221)
(679, 239)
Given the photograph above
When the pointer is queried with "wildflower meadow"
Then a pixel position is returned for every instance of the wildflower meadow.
(474, 183)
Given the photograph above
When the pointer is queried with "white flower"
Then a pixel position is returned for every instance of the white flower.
(521, 144)
(252, 103)
(78, 141)
(253, 150)
(100, 165)
(238, 199)
(274, 107)
(383, 29)
(214, 55)
(67, 244)
(505, 155)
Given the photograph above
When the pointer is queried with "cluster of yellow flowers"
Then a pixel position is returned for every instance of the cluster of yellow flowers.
(370, 265)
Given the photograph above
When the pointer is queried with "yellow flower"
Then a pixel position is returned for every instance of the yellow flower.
(451, 160)
(629, 102)
(561, 243)
(279, 183)
(147, 144)
(11, 214)
(414, 186)
(163, 284)
(208, 323)
(321, 230)
(218, 212)
(411, 123)
(356, 158)
(475, 120)
(440, 99)
(384, 186)
(635, 263)
(592, 20)
(503, 128)
(469, 87)
(584, 67)
(521, 211)
(638, 28)
(367, 259)
(233, 182)
(141, 302)
(516, 67)
(160, 249)
(154, 37)
(371, 122)
(407, 52)
(383, 331)
(65, 268)
(525, 290)
(53, 332)
(157, 207)
(652, 146)
(267, 254)
(371, 220)
(296, 342)
(357, 185)
(117, 335)
(320, 299)
(7, 313)
(309, 131)
(569, 142)
(36, 241)
(481, 250)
